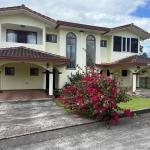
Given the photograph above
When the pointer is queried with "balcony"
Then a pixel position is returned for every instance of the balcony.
(13, 35)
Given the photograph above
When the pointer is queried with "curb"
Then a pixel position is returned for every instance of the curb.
(25, 101)
(36, 132)
(139, 111)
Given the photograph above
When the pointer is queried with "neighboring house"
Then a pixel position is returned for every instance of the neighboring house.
(37, 52)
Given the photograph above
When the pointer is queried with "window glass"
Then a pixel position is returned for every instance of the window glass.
(31, 38)
(71, 49)
(90, 50)
(117, 43)
(124, 44)
(103, 43)
(9, 71)
(134, 45)
(21, 36)
(11, 36)
(128, 44)
(34, 71)
(124, 73)
(51, 38)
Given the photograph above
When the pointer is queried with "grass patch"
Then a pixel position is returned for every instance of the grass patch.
(136, 103)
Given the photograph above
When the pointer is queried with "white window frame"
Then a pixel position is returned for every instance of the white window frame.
(126, 43)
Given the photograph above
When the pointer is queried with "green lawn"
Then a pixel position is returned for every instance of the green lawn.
(136, 103)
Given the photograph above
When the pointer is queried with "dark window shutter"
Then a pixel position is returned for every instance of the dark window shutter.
(124, 44)
(128, 44)
(117, 44)
(134, 45)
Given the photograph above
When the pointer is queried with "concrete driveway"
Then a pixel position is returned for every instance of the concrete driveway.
(129, 134)
(26, 117)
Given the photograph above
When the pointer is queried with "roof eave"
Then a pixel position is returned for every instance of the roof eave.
(28, 11)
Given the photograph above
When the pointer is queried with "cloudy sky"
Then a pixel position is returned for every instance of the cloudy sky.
(109, 13)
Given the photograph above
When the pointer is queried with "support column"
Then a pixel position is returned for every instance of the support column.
(44, 39)
(50, 91)
(138, 81)
(134, 82)
(111, 75)
(44, 80)
(0, 33)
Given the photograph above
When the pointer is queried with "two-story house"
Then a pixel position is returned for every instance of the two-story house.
(38, 52)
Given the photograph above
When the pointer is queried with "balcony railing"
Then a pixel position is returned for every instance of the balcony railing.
(13, 44)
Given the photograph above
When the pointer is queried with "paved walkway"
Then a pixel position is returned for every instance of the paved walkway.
(129, 134)
(26, 117)
(140, 93)
(22, 95)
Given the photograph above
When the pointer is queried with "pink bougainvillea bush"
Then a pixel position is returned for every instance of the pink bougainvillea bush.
(96, 96)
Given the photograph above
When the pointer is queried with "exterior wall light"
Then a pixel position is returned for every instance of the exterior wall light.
(47, 65)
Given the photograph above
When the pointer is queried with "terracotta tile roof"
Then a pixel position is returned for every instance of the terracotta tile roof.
(58, 23)
(136, 60)
(28, 54)
(129, 26)
(84, 26)
(23, 7)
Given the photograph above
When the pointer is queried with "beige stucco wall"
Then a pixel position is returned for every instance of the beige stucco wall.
(106, 51)
(22, 78)
(123, 81)
(53, 47)
(103, 55)
(29, 22)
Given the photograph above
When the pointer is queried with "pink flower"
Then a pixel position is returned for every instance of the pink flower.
(127, 113)
(114, 117)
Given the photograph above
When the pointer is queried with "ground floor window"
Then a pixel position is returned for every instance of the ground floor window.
(34, 71)
(124, 73)
(9, 71)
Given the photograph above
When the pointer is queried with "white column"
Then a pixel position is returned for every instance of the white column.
(50, 92)
(111, 75)
(134, 82)
(0, 33)
(98, 50)
(44, 39)
(138, 81)
(82, 50)
(44, 80)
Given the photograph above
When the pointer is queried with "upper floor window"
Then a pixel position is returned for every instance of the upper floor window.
(125, 44)
(71, 49)
(128, 44)
(51, 38)
(90, 50)
(103, 43)
(134, 45)
(117, 43)
(21, 36)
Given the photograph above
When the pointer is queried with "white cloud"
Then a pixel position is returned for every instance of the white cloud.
(108, 13)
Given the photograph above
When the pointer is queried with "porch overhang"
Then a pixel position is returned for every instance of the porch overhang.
(28, 54)
(136, 60)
